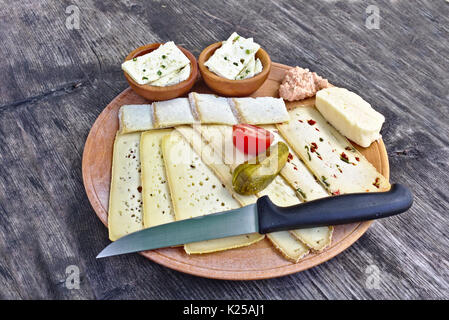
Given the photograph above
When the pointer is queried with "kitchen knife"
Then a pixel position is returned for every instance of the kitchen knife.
(264, 217)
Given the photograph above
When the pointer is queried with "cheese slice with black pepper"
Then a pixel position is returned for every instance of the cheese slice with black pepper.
(125, 199)
(338, 166)
(157, 206)
(196, 191)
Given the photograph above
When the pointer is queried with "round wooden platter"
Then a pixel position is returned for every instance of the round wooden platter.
(258, 261)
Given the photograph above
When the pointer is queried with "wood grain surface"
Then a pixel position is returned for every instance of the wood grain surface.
(55, 82)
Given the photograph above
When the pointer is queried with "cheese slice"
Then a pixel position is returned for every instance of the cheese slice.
(281, 194)
(315, 238)
(135, 117)
(307, 188)
(202, 108)
(283, 241)
(258, 67)
(125, 200)
(289, 244)
(168, 58)
(350, 115)
(173, 78)
(196, 191)
(212, 109)
(232, 57)
(330, 156)
(172, 112)
(157, 206)
(248, 70)
(261, 110)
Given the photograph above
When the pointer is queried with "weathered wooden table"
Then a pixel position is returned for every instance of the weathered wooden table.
(57, 76)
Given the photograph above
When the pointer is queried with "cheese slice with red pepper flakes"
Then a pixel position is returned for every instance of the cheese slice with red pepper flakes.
(304, 183)
(330, 156)
(220, 138)
(195, 191)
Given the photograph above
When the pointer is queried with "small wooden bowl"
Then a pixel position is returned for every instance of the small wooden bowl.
(233, 88)
(163, 93)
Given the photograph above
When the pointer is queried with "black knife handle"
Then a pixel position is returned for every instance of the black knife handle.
(334, 210)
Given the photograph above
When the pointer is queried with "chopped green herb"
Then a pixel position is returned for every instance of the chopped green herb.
(303, 195)
(321, 139)
(226, 58)
(144, 78)
(164, 56)
(242, 61)
(247, 51)
(307, 148)
(134, 59)
(247, 71)
(235, 39)
(159, 72)
(323, 178)
(163, 66)
(144, 70)
(235, 63)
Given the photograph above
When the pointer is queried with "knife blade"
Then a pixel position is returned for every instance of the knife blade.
(264, 217)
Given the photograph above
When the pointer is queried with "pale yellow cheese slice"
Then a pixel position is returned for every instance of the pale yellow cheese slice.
(212, 109)
(196, 191)
(138, 117)
(330, 156)
(260, 110)
(307, 188)
(125, 199)
(281, 194)
(174, 112)
(157, 206)
(299, 178)
(283, 241)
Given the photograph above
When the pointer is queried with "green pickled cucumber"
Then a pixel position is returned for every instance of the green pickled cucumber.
(256, 174)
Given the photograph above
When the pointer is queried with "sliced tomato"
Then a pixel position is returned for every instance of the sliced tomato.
(251, 139)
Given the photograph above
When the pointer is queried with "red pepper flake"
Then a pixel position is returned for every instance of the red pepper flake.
(311, 122)
(357, 158)
(344, 157)
(290, 156)
(317, 129)
(336, 193)
(313, 147)
(377, 183)
(139, 188)
(335, 176)
(319, 157)
(295, 168)
(301, 121)
(348, 148)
